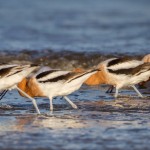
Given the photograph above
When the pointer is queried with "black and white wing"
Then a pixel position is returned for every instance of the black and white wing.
(54, 76)
(9, 70)
(122, 65)
(60, 76)
(141, 69)
(6, 70)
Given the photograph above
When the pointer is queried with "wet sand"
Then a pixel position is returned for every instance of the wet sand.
(100, 122)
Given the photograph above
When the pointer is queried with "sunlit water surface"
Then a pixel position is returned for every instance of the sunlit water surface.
(88, 127)
(89, 31)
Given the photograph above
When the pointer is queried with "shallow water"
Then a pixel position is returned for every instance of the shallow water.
(91, 126)
(67, 34)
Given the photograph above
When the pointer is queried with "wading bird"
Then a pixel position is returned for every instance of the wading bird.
(145, 59)
(100, 77)
(53, 83)
(11, 75)
(121, 72)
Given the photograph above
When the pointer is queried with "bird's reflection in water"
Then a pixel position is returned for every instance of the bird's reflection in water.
(30, 122)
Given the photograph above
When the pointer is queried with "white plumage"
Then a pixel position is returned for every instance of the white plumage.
(61, 83)
(11, 75)
(121, 72)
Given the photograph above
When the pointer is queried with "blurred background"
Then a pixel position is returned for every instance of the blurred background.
(67, 34)
(104, 26)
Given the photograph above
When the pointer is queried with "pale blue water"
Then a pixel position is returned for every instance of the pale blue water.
(117, 26)
(79, 26)
(89, 127)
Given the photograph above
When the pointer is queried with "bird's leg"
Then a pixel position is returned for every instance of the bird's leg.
(137, 91)
(116, 93)
(51, 104)
(110, 89)
(3, 94)
(32, 99)
(70, 102)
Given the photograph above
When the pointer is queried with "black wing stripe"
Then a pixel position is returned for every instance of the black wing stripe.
(142, 72)
(132, 71)
(59, 78)
(121, 71)
(141, 69)
(45, 73)
(118, 61)
(83, 74)
(5, 71)
(14, 73)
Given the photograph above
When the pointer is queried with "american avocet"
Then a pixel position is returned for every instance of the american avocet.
(145, 59)
(118, 71)
(54, 83)
(11, 75)
(100, 78)
(121, 72)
